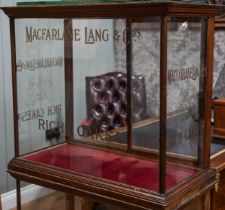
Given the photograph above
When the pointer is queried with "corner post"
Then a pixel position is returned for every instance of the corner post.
(163, 103)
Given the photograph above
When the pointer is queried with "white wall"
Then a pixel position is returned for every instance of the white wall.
(6, 122)
(3, 180)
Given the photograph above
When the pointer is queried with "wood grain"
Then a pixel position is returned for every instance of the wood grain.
(54, 201)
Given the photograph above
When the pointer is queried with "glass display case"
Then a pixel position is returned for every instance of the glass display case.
(112, 101)
(218, 126)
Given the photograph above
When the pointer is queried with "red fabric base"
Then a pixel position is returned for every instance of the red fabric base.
(107, 165)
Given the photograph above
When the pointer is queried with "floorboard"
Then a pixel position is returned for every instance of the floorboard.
(55, 201)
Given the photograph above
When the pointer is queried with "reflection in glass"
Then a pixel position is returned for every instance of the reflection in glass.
(100, 84)
(185, 101)
(185, 95)
(145, 83)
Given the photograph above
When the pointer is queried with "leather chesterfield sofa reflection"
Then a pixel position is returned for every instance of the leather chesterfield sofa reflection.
(106, 97)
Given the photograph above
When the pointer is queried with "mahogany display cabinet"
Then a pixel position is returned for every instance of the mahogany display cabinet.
(112, 101)
(218, 126)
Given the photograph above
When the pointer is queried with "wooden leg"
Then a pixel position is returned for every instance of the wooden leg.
(213, 206)
(0, 203)
(18, 195)
(69, 201)
(206, 201)
(87, 204)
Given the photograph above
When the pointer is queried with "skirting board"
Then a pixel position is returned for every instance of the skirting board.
(28, 193)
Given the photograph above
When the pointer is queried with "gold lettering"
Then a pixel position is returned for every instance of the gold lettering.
(88, 36)
(62, 37)
(29, 37)
(34, 34)
(52, 110)
(41, 123)
(61, 126)
(77, 35)
(185, 73)
(32, 114)
(105, 35)
(54, 34)
(98, 35)
(43, 33)
(92, 35)
(48, 35)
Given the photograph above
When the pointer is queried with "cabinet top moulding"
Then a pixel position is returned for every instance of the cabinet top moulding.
(220, 23)
(130, 9)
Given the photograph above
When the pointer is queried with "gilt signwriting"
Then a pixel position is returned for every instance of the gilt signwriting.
(188, 134)
(40, 115)
(39, 63)
(87, 35)
(181, 74)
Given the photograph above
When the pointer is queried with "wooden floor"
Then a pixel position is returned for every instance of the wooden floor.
(55, 201)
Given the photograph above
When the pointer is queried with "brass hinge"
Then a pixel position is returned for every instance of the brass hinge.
(217, 182)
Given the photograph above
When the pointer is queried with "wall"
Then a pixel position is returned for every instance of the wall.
(6, 123)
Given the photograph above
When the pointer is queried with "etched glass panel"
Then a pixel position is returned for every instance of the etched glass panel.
(186, 96)
(40, 82)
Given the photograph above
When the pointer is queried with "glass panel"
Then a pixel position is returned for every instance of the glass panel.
(100, 81)
(145, 83)
(218, 112)
(40, 82)
(145, 92)
(185, 101)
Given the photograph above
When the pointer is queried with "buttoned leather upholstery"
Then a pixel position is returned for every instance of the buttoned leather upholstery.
(106, 97)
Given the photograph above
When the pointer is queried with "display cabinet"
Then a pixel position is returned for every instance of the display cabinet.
(218, 126)
(112, 101)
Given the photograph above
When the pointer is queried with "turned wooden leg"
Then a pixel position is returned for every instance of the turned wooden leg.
(206, 201)
(213, 203)
(69, 201)
(18, 195)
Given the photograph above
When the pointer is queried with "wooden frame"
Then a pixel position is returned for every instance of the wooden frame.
(220, 23)
(127, 196)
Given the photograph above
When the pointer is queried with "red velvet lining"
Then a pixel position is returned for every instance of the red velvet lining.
(116, 167)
